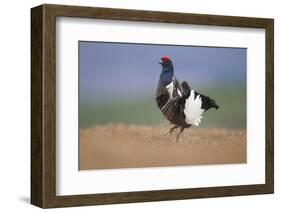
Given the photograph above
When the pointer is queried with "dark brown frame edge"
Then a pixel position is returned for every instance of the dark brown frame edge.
(43, 105)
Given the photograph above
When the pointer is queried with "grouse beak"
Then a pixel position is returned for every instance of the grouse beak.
(160, 62)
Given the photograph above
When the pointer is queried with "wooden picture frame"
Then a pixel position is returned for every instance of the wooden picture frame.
(43, 105)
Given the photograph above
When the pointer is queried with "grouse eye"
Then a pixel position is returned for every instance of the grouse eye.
(165, 58)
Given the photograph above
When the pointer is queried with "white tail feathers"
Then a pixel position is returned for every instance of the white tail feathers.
(193, 110)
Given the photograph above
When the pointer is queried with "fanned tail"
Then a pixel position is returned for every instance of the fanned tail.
(207, 102)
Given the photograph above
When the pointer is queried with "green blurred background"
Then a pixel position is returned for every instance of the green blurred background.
(118, 82)
(232, 112)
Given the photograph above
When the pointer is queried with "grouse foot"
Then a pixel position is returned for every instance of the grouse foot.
(171, 130)
(180, 132)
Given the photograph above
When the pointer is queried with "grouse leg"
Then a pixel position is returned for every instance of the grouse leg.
(171, 130)
(180, 132)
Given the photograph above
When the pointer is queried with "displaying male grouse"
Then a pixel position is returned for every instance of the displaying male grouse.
(182, 106)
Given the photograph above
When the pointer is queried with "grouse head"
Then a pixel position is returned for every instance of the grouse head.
(166, 63)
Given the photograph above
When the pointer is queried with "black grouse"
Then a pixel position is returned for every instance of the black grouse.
(182, 106)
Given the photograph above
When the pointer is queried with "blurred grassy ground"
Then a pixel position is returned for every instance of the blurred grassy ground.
(136, 146)
(232, 112)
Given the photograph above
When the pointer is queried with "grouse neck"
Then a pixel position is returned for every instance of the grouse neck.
(166, 76)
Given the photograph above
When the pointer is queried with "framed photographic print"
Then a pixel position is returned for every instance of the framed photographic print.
(135, 106)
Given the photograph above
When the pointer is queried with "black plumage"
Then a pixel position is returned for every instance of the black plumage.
(178, 103)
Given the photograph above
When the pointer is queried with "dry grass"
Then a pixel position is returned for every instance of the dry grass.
(124, 146)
